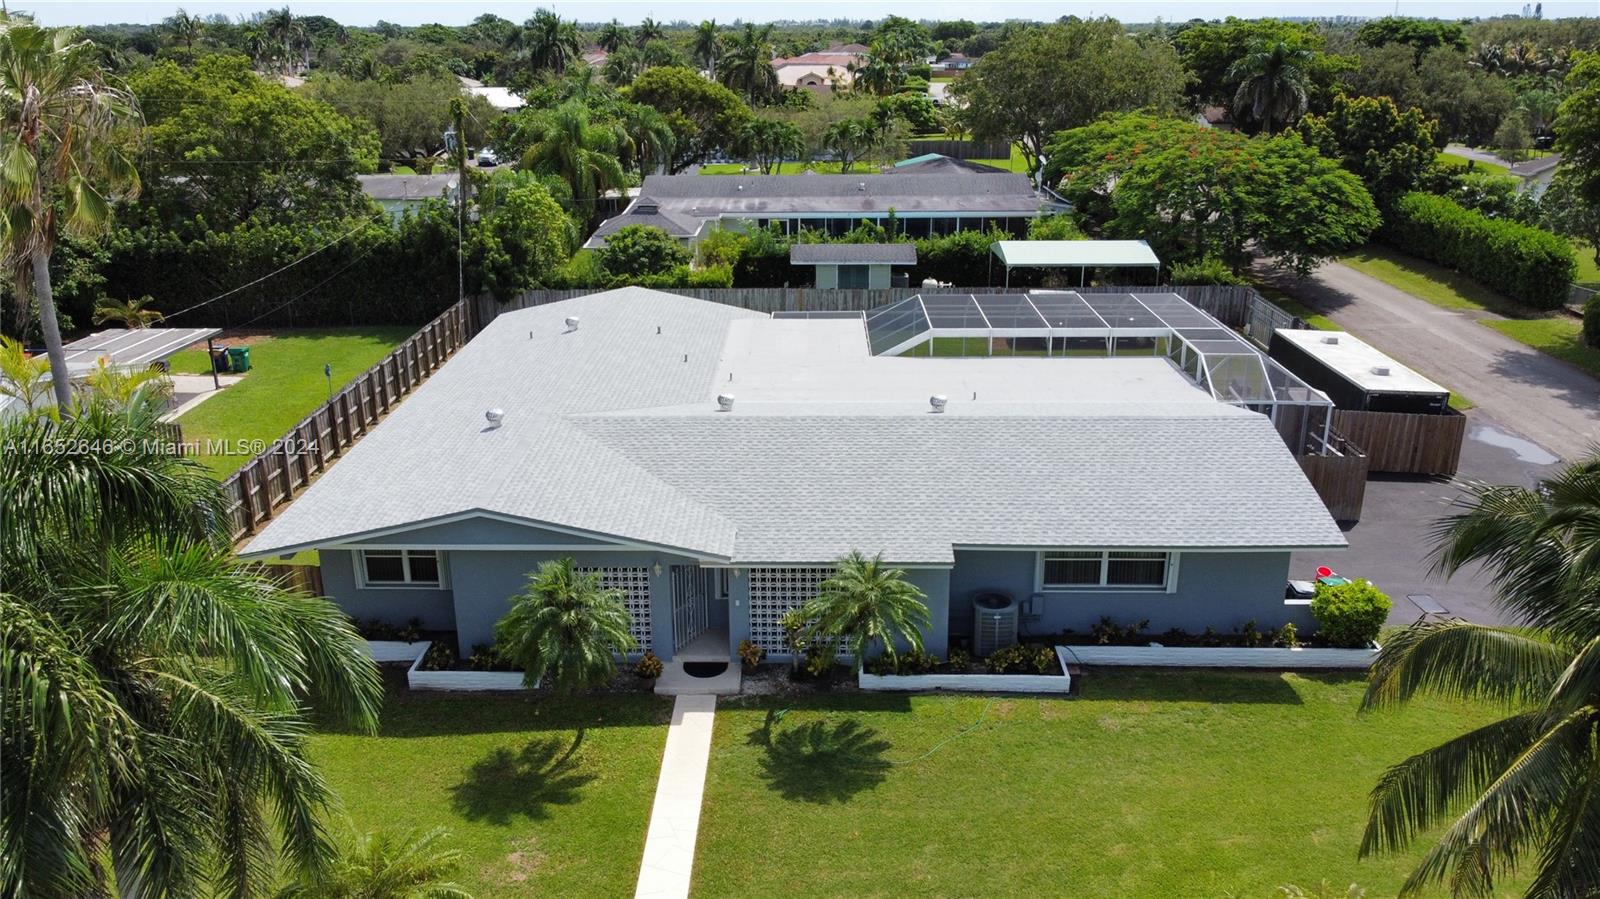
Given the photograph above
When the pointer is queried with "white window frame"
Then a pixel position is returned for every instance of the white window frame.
(443, 583)
(1169, 586)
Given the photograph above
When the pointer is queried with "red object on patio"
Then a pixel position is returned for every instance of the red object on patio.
(1324, 571)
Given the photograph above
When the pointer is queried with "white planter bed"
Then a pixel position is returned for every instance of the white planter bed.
(1222, 656)
(974, 683)
(417, 679)
(396, 650)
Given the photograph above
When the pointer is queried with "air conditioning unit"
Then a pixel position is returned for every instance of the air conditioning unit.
(994, 622)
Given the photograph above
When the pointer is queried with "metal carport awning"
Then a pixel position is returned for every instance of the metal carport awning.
(1079, 254)
(130, 349)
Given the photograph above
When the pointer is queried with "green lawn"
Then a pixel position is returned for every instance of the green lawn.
(1450, 160)
(1588, 269)
(284, 385)
(1559, 336)
(1150, 784)
(531, 815)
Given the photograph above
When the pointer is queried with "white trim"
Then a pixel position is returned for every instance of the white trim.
(1168, 584)
(362, 583)
(1021, 547)
(346, 541)
(493, 547)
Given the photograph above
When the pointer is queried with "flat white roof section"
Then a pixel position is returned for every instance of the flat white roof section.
(1075, 253)
(131, 349)
(1359, 362)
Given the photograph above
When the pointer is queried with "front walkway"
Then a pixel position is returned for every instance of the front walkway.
(675, 818)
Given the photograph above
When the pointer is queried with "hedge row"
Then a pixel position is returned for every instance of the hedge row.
(1527, 264)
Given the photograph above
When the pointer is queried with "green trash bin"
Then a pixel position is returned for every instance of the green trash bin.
(239, 358)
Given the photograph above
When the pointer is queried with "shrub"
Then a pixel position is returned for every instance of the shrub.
(1054, 227)
(1210, 270)
(1350, 614)
(1044, 659)
(1013, 659)
(1106, 631)
(916, 663)
(1288, 636)
(960, 661)
(751, 655)
(960, 258)
(819, 661)
(649, 666)
(642, 250)
(485, 657)
(1525, 263)
(880, 665)
(1591, 321)
(439, 657)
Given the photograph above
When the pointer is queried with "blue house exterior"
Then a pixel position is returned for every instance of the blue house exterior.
(1083, 488)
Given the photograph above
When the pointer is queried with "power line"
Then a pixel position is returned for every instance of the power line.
(271, 273)
(362, 255)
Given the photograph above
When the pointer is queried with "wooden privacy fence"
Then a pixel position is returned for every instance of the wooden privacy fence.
(1231, 305)
(1405, 442)
(960, 149)
(1340, 477)
(254, 492)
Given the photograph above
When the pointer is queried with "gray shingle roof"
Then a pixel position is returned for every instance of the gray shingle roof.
(611, 429)
(858, 253)
(406, 187)
(645, 211)
(711, 196)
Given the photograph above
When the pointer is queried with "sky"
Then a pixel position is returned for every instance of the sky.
(416, 12)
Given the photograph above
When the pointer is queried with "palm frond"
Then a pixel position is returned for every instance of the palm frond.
(1463, 660)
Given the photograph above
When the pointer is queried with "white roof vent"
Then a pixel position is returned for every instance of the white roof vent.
(938, 401)
(495, 416)
(861, 186)
(572, 323)
(1331, 339)
(1381, 370)
(724, 402)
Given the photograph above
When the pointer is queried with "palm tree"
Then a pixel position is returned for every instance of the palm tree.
(131, 314)
(867, 603)
(23, 377)
(1524, 791)
(288, 33)
(748, 63)
(156, 687)
(550, 43)
(1274, 83)
(184, 27)
(59, 124)
(769, 142)
(850, 139)
(567, 144)
(649, 30)
(385, 865)
(649, 137)
(612, 35)
(707, 46)
(563, 626)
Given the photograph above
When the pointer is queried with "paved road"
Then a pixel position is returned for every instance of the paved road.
(1527, 393)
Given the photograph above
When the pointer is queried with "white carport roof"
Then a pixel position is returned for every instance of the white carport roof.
(131, 349)
(1074, 253)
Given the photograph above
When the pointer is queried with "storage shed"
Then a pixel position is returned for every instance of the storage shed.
(853, 265)
(1354, 374)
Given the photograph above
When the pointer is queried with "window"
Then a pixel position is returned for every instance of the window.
(401, 568)
(852, 277)
(1113, 569)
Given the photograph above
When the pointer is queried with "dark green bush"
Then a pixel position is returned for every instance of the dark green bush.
(1350, 614)
(649, 666)
(1206, 271)
(1591, 321)
(636, 250)
(1527, 264)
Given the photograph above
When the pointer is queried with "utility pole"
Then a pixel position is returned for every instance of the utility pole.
(458, 112)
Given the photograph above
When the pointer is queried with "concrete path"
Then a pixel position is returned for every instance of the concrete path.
(1534, 395)
(675, 817)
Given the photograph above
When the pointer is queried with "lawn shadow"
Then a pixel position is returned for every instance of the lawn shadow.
(1267, 686)
(504, 784)
(818, 762)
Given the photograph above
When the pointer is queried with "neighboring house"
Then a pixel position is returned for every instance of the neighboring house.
(646, 211)
(819, 71)
(1534, 175)
(954, 64)
(500, 98)
(712, 463)
(923, 204)
(853, 266)
(596, 57)
(398, 193)
(931, 163)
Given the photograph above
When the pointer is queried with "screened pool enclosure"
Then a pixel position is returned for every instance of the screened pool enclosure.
(1069, 324)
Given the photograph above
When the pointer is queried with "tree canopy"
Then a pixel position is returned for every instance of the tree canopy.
(1389, 149)
(703, 115)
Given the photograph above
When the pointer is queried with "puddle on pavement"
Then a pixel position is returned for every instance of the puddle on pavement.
(1525, 450)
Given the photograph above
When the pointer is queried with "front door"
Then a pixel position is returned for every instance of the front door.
(691, 602)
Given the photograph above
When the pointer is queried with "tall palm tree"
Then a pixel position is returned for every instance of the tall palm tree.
(649, 137)
(1522, 794)
(551, 44)
(707, 46)
(612, 35)
(24, 378)
(649, 30)
(185, 28)
(59, 122)
(131, 314)
(865, 604)
(155, 687)
(748, 63)
(566, 628)
(406, 865)
(1274, 84)
(582, 153)
(288, 35)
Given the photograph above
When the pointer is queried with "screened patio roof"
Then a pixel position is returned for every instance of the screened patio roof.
(1212, 354)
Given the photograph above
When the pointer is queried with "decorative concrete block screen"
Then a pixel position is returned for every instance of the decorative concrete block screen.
(773, 592)
(634, 582)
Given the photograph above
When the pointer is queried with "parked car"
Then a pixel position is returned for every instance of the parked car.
(487, 159)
